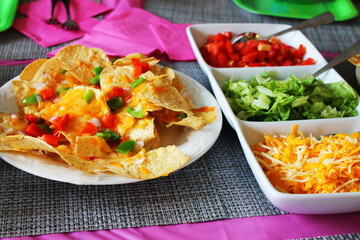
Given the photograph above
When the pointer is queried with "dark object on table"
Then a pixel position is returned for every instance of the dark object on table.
(68, 24)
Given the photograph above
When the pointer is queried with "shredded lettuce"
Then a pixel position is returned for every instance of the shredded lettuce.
(265, 99)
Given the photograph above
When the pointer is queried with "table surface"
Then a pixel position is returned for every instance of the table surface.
(219, 185)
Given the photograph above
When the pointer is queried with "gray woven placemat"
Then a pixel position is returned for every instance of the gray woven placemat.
(219, 185)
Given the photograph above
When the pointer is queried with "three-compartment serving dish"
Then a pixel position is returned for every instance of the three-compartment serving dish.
(251, 132)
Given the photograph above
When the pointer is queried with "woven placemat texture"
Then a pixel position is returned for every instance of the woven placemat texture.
(219, 185)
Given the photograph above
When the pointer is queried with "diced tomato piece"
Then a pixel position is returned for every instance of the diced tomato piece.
(51, 140)
(211, 38)
(220, 37)
(213, 49)
(116, 92)
(308, 61)
(250, 57)
(240, 63)
(137, 71)
(34, 130)
(145, 67)
(234, 56)
(228, 35)
(60, 122)
(283, 52)
(135, 61)
(271, 54)
(247, 50)
(252, 43)
(275, 47)
(228, 47)
(108, 121)
(302, 50)
(89, 128)
(287, 63)
(295, 53)
(279, 59)
(32, 118)
(261, 56)
(46, 93)
(223, 60)
(239, 46)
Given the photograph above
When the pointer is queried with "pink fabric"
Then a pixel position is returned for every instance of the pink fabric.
(270, 227)
(48, 35)
(174, 41)
(121, 5)
(137, 30)
(79, 9)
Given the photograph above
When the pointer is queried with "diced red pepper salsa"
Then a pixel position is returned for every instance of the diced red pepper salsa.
(108, 121)
(46, 93)
(34, 130)
(51, 140)
(60, 122)
(89, 128)
(219, 52)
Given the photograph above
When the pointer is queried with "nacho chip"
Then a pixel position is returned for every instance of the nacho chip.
(144, 130)
(162, 94)
(355, 60)
(143, 58)
(29, 72)
(11, 124)
(149, 165)
(22, 89)
(199, 120)
(80, 61)
(91, 146)
(120, 76)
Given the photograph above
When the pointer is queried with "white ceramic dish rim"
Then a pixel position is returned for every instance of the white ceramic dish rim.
(282, 200)
(208, 136)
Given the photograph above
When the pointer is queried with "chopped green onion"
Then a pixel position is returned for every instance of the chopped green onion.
(62, 71)
(125, 147)
(138, 81)
(182, 116)
(31, 99)
(95, 80)
(136, 112)
(114, 135)
(115, 103)
(63, 89)
(97, 70)
(103, 135)
(43, 126)
(88, 96)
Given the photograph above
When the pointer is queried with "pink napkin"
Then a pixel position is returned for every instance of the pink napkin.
(121, 5)
(46, 35)
(79, 9)
(137, 30)
(174, 41)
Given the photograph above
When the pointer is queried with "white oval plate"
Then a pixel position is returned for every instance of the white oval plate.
(193, 143)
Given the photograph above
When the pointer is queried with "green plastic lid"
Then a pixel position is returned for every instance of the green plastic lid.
(304, 9)
(7, 13)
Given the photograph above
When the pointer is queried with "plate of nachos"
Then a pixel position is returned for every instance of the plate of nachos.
(83, 119)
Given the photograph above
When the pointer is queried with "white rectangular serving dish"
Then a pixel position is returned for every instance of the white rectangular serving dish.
(250, 132)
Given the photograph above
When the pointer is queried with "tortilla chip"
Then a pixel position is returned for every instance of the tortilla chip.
(29, 72)
(120, 76)
(197, 121)
(91, 146)
(22, 89)
(145, 130)
(355, 60)
(155, 163)
(162, 94)
(22, 143)
(152, 61)
(80, 60)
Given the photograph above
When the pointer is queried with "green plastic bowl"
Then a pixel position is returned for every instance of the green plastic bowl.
(7, 13)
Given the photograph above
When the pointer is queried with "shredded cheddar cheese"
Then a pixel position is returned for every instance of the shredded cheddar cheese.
(295, 164)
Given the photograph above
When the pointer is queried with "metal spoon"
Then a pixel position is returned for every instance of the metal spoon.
(345, 55)
(324, 18)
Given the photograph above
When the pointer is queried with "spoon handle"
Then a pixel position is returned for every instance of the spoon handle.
(324, 18)
(345, 55)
